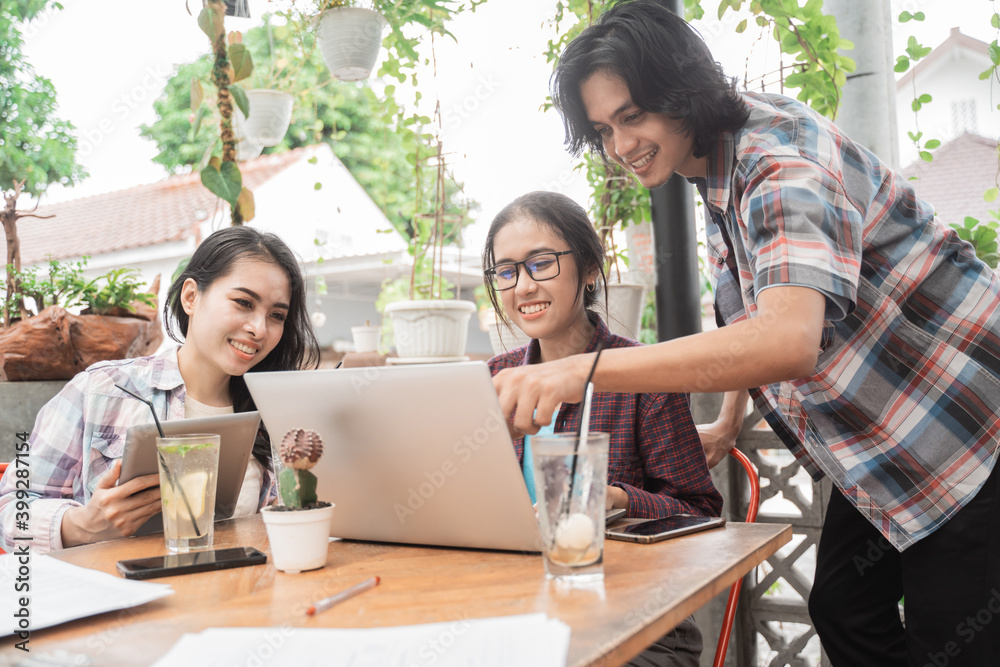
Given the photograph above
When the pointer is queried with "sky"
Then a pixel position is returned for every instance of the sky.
(109, 59)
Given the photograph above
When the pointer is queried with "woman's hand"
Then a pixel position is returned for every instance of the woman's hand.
(113, 511)
(616, 498)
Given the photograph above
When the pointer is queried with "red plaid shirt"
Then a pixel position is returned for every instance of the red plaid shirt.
(655, 453)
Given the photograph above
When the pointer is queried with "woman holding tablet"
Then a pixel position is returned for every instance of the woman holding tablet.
(542, 263)
(240, 307)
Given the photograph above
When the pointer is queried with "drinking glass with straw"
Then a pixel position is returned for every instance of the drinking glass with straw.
(163, 463)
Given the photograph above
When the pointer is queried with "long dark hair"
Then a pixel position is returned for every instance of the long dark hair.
(214, 259)
(570, 222)
(665, 64)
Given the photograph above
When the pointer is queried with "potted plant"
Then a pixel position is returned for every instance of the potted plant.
(299, 529)
(41, 340)
(429, 324)
(617, 201)
(349, 38)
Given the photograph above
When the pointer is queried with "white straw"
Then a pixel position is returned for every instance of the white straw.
(585, 423)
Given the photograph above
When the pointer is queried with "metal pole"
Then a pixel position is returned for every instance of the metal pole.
(678, 297)
(867, 111)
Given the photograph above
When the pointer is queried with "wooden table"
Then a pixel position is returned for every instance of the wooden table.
(647, 590)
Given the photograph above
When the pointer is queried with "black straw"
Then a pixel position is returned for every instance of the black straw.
(579, 429)
(166, 470)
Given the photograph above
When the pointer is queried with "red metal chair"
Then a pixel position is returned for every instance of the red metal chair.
(734, 592)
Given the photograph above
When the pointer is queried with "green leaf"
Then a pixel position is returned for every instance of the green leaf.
(985, 74)
(241, 60)
(246, 204)
(318, 186)
(915, 105)
(919, 16)
(991, 194)
(197, 93)
(926, 156)
(905, 16)
(741, 26)
(970, 222)
(995, 20)
(313, 160)
(932, 144)
(226, 182)
(925, 98)
(994, 52)
(208, 21)
(902, 64)
(915, 137)
(240, 98)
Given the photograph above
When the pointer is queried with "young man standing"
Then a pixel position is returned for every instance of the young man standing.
(868, 333)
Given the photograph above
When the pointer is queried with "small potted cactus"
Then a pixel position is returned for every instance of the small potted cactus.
(298, 530)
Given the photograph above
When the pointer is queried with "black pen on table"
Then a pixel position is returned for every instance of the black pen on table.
(347, 594)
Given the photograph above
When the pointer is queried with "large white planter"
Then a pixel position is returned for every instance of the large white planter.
(430, 329)
(270, 116)
(349, 39)
(298, 538)
(625, 302)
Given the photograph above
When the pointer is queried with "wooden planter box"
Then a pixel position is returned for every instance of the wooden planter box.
(56, 345)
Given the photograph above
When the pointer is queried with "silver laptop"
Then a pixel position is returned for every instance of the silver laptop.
(238, 432)
(412, 454)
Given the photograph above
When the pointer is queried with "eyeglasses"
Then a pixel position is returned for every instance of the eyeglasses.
(543, 266)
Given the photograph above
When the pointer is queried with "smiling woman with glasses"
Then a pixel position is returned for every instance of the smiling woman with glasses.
(544, 264)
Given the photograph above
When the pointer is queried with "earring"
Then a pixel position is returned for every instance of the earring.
(592, 286)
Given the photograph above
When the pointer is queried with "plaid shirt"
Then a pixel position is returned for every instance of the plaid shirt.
(901, 410)
(655, 453)
(79, 435)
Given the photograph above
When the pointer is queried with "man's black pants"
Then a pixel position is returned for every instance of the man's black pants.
(950, 582)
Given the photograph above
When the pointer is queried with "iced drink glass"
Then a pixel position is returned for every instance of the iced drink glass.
(571, 520)
(189, 470)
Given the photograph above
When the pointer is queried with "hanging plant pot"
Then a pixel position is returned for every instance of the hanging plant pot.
(247, 150)
(625, 302)
(430, 329)
(270, 116)
(349, 39)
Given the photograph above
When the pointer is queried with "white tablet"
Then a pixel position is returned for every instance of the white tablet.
(238, 432)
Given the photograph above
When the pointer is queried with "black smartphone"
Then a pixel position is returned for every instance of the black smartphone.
(656, 530)
(195, 561)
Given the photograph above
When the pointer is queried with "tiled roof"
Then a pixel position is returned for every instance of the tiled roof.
(144, 215)
(954, 183)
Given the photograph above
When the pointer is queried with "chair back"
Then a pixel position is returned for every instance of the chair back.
(734, 592)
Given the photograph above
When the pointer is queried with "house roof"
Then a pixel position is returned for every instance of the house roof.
(143, 215)
(955, 181)
(953, 46)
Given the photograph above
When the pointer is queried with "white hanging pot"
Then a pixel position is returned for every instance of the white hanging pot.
(625, 302)
(298, 538)
(430, 329)
(349, 39)
(270, 116)
(246, 149)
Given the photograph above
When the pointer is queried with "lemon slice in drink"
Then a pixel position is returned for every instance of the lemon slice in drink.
(194, 484)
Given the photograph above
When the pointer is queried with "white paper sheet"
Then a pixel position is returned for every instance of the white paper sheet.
(531, 640)
(58, 592)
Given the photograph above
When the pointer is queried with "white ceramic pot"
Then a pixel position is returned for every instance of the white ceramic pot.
(270, 116)
(430, 328)
(366, 338)
(625, 302)
(349, 39)
(298, 538)
(246, 149)
(503, 338)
